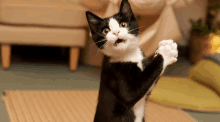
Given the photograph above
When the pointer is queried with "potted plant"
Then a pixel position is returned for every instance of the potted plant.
(200, 40)
(202, 32)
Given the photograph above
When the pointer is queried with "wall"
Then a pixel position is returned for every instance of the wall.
(194, 10)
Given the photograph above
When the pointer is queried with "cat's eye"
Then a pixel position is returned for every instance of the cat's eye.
(105, 31)
(123, 24)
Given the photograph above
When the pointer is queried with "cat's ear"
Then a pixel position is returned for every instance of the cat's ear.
(93, 20)
(125, 9)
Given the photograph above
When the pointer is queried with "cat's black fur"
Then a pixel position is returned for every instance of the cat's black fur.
(122, 84)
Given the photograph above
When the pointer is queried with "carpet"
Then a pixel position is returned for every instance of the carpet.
(72, 106)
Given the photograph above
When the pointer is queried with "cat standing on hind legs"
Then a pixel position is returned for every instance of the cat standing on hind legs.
(127, 76)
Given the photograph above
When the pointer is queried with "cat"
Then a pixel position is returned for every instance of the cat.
(127, 76)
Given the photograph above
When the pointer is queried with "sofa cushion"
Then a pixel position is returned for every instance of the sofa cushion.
(43, 12)
(206, 72)
(185, 93)
(42, 36)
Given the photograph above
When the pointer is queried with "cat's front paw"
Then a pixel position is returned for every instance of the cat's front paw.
(168, 49)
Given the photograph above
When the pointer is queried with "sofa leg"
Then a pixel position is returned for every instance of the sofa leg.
(74, 57)
(6, 55)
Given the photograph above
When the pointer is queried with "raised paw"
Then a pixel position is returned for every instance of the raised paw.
(168, 49)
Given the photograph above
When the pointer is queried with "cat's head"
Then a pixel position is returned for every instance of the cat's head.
(117, 34)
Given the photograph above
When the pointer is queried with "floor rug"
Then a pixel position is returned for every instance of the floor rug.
(73, 106)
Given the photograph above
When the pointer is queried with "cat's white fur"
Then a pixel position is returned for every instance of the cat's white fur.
(135, 56)
(129, 51)
(124, 50)
(168, 49)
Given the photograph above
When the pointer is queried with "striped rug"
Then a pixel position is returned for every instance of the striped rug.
(72, 106)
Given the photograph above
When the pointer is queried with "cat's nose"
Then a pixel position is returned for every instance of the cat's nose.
(116, 32)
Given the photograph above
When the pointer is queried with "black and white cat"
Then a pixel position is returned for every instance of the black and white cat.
(127, 76)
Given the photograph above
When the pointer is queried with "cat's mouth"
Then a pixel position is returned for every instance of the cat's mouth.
(119, 41)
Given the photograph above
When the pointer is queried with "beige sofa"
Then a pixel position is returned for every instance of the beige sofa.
(42, 22)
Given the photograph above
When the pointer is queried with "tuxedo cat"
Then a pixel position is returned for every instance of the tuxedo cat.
(127, 76)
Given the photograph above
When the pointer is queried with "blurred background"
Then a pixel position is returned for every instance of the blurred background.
(46, 44)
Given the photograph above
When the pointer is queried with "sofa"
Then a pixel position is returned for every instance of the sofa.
(59, 23)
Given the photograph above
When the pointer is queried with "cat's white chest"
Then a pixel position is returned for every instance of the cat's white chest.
(136, 56)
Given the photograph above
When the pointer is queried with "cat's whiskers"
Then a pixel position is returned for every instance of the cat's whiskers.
(102, 40)
(136, 28)
(101, 47)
